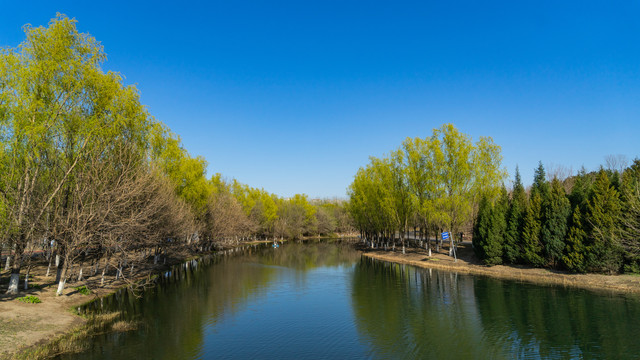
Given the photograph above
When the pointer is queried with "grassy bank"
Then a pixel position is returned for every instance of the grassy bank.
(468, 264)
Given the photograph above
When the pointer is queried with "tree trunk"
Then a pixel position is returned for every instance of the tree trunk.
(26, 278)
(7, 264)
(15, 270)
(63, 280)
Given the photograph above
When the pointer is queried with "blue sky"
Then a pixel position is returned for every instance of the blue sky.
(295, 96)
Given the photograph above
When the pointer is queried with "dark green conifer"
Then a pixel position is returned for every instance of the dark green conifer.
(497, 230)
(581, 189)
(481, 228)
(540, 184)
(531, 245)
(574, 258)
(512, 246)
(630, 198)
(603, 216)
(557, 209)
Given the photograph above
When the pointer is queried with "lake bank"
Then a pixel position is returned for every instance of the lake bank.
(467, 263)
(27, 328)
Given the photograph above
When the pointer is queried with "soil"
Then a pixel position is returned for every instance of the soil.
(468, 263)
(25, 325)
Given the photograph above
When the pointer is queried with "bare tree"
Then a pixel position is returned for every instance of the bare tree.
(616, 163)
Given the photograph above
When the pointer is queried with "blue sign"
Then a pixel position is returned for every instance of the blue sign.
(445, 235)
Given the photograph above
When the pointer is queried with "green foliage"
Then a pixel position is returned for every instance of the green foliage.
(630, 219)
(604, 210)
(84, 290)
(490, 229)
(30, 299)
(531, 228)
(556, 209)
(432, 183)
(515, 217)
(575, 252)
(581, 190)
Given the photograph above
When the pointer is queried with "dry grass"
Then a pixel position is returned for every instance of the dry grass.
(468, 264)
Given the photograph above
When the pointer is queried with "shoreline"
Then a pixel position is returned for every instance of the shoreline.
(467, 264)
(30, 331)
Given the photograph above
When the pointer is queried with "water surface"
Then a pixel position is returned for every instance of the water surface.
(321, 300)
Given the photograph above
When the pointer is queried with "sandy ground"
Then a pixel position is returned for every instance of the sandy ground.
(23, 325)
(467, 263)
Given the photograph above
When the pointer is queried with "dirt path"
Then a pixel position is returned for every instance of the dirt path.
(23, 325)
(468, 264)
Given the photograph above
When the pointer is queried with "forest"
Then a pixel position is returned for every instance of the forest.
(90, 180)
(589, 222)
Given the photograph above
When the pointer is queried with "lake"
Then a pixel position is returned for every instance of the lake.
(322, 300)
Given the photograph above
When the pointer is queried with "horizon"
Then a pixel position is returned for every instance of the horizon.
(295, 98)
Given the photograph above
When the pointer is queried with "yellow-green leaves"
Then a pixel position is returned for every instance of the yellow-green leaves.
(436, 181)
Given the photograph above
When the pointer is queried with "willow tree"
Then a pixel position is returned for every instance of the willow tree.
(57, 106)
(438, 180)
(466, 171)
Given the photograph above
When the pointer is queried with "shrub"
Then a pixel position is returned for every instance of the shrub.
(30, 299)
(84, 290)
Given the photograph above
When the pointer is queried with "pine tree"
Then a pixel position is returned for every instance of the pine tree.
(540, 185)
(581, 189)
(481, 228)
(604, 211)
(557, 209)
(512, 247)
(630, 197)
(497, 230)
(531, 245)
(574, 259)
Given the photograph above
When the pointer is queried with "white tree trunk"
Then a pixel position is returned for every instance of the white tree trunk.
(80, 274)
(61, 286)
(13, 284)
(7, 264)
(26, 280)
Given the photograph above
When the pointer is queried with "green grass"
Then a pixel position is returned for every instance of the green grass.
(30, 299)
(84, 290)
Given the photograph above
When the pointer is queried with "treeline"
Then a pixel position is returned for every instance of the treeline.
(92, 180)
(587, 223)
(431, 184)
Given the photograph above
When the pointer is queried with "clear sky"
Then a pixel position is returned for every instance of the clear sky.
(295, 96)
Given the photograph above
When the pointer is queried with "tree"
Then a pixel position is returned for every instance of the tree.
(575, 257)
(515, 216)
(603, 214)
(630, 196)
(490, 229)
(466, 171)
(556, 208)
(531, 244)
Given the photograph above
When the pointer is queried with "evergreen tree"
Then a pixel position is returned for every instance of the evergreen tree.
(517, 207)
(630, 197)
(490, 229)
(557, 209)
(604, 211)
(481, 228)
(574, 259)
(581, 189)
(540, 185)
(531, 228)
(497, 230)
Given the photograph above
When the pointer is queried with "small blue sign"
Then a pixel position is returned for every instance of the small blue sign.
(445, 235)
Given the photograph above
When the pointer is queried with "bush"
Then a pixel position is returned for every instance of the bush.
(30, 299)
(84, 290)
